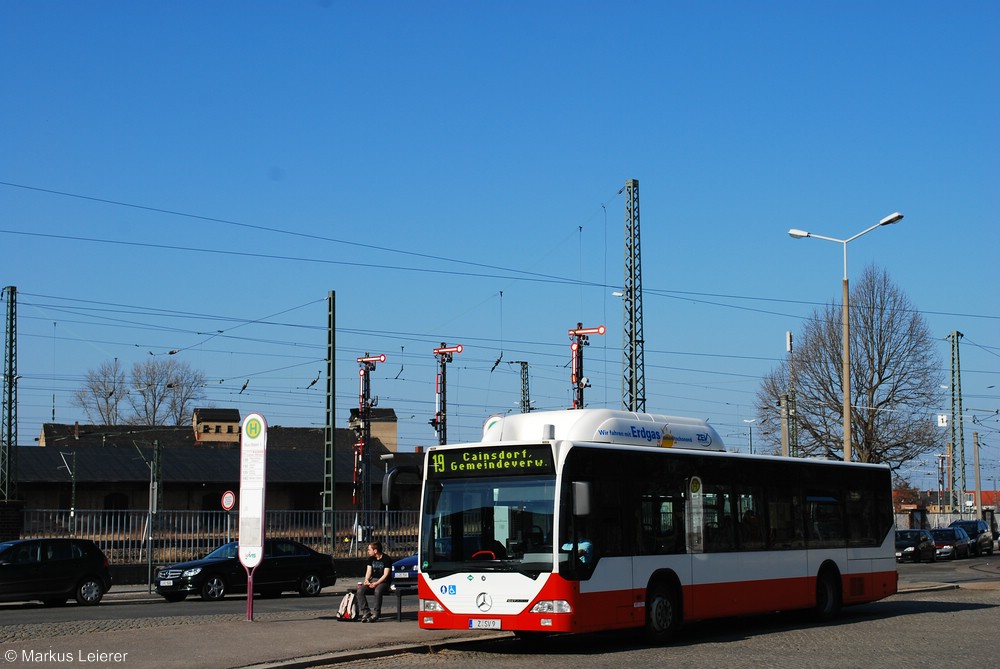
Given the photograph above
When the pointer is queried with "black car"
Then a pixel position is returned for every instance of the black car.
(287, 565)
(979, 533)
(915, 546)
(53, 570)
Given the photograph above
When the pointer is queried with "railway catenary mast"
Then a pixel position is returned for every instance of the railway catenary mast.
(633, 378)
(8, 421)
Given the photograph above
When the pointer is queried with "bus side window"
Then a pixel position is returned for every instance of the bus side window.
(824, 516)
(719, 525)
(751, 518)
(661, 531)
(785, 519)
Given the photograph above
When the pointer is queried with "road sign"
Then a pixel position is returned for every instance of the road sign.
(228, 500)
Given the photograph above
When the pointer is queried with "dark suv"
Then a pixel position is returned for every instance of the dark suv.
(53, 570)
(979, 532)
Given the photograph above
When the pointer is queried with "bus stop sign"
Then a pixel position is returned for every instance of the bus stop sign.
(253, 466)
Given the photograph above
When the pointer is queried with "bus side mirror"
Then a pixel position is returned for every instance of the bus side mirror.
(581, 498)
(389, 479)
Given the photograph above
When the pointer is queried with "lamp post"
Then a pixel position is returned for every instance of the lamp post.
(750, 422)
(846, 370)
(386, 458)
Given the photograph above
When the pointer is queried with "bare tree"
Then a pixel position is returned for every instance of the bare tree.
(895, 377)
(102, 394)
(187, 385)
(164, 389)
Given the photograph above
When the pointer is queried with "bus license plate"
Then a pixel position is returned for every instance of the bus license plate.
(484, 623)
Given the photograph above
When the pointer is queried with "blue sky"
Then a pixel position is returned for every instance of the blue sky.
(453, 171)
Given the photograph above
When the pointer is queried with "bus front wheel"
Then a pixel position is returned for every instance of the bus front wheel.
(662, 613)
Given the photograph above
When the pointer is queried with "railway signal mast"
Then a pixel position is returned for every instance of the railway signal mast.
(439, 422)
(581, 338)
(362, 448)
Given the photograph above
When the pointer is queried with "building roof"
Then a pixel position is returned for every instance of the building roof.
(107, 454)
(217, 415)
(58, 435)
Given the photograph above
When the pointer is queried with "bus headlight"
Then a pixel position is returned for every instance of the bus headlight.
(552, 606)
(430, 605)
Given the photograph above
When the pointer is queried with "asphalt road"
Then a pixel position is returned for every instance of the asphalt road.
(942, 628)
(949, 620)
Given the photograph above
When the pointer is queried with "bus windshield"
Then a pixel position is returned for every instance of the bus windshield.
(487, 524)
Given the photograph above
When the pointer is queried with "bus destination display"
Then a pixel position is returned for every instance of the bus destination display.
(491, 461)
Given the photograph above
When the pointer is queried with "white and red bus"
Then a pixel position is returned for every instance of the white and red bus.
(593, 519)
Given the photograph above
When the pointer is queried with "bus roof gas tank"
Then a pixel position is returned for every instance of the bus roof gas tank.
(604, 426)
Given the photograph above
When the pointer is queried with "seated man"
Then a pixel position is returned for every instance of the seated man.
(378, 577)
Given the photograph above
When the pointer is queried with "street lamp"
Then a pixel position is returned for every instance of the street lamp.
(846, 371)
(750, 422)
(386, 458)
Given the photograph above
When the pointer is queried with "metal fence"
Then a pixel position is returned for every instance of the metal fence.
(906, 521)
(175, 536)
(135, 537)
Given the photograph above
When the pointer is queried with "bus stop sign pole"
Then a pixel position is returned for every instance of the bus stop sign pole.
(253, 467)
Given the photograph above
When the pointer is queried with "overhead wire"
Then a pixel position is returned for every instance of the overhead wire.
(508, 274)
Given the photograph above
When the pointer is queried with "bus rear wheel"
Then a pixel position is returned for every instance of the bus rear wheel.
(662, 613)
(827, 595)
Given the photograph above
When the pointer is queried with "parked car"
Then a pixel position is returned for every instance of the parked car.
(979, 532)
(914, 546)
(287, 565)
(53, 570)
(952, 543)
(404, 572)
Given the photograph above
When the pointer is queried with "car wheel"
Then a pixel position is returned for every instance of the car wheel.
(89, 592)
(175, 597)
(310, 585)
(214, 588)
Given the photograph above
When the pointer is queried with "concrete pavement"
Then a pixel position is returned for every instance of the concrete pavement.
(289, 639)
(286, 639)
